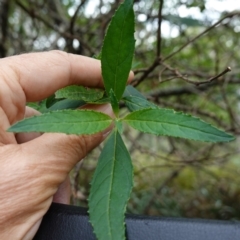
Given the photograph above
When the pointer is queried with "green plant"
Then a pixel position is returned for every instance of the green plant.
(113, 178)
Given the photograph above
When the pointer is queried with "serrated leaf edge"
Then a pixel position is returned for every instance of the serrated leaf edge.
(107, 33)
(68, 110)
(62, 95)
(181, 113)
(115, 131)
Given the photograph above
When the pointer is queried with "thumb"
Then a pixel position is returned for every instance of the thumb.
(53, 155)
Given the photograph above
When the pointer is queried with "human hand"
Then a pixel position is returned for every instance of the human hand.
(33, 166)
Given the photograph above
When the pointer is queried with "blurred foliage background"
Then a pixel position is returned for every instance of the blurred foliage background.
(184, 49)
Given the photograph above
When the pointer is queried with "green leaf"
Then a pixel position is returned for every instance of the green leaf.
(102, 100)
(168, 122)
(80, 93)
(65, 121)
(134, 100)
(132, 91)
(39, 106)
(66, 104)
(111, 187)
(114, 102)
(119, 125)
(136, 103)
(51, 100)
(98, 56)
(118, 49)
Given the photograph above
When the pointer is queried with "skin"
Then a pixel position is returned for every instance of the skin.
(34, 167)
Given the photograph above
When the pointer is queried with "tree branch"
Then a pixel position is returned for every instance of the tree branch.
(159, 32)
(74, 17)
(4, 11)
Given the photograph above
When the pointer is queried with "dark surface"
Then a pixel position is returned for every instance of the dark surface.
(63, 222)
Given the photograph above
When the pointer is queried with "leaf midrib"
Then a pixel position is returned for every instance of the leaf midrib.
(111, 184)
(118, 61)
(67, 123)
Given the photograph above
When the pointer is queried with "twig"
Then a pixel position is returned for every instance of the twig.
(228, 69)
(140, 70)
(159, 61)
(74, 17)
(159, 32)
(177, 91)
(146, 73)
(197, 83)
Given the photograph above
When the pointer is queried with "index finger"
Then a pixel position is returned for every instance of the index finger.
(42, 74)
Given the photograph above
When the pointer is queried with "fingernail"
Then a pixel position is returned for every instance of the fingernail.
(105, 134)
(107, 131)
